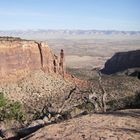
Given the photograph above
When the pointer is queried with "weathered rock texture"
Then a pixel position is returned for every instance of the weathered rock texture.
(121, 125)
(19, 57)
(122, 61)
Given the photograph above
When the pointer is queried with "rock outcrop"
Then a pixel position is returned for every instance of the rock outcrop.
(19, 57)
(122, 61)
(118, 125)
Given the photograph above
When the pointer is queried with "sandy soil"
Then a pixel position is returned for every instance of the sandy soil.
(89, 62)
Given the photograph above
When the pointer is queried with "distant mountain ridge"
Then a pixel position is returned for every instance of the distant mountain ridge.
(31, 34)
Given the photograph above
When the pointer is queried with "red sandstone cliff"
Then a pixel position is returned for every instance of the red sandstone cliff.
(19, 57)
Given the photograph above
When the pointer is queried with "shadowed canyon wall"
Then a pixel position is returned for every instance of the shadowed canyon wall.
(122, 61)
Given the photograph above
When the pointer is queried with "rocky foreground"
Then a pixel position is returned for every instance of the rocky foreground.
(120, 125)
(74, 102)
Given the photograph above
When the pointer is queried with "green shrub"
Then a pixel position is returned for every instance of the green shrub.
(2, 100)
(37, 115)
(10, 110)
(125, 103)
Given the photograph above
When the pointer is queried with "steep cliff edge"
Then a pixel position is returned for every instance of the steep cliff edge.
(19, 57)
(122, 61)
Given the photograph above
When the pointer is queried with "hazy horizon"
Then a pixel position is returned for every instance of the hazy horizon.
(80, 29)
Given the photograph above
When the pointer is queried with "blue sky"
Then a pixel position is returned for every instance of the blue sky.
(70, 14)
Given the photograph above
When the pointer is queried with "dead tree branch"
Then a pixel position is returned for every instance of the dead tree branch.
(104, 94)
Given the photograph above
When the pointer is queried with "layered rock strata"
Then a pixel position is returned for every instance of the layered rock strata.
(19, 57)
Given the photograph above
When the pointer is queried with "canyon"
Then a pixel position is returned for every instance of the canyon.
(31, 75)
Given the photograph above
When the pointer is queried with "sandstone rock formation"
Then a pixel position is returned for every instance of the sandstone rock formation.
(34, 72)
(19, 57)
(121, 125)
(122, 61)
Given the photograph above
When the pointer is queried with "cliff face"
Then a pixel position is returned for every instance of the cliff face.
(19, 57)
(122, 61)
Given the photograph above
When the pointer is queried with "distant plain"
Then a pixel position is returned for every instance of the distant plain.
(93, 52)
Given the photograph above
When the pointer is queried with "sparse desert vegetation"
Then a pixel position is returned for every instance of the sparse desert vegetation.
(41, 98)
